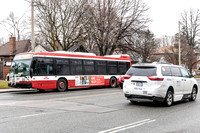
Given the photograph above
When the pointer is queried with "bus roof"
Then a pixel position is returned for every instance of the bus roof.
(125, 57)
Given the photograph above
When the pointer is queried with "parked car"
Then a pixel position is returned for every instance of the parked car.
(159, 82)
(7, 77)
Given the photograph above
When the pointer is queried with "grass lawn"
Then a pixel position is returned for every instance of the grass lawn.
(4, 84)
(197, 76)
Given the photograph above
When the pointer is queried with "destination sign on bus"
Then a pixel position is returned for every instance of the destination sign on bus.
(23, 56)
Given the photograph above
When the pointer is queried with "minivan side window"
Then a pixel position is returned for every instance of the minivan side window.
(176, 72)
(166, 71)
(184, 73)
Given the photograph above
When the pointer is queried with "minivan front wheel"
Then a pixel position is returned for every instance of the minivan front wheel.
(168, 99)
(193, 94)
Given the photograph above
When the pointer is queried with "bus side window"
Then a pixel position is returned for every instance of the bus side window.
(100, 67)
(49, 69)
(127, 65)
(76, 67)
(122, 68)
(89, 67)
(112, 67)
(62, 67)
(45, 66)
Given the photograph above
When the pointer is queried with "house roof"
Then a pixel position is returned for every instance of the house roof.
(162, 50)
(171, 49)
(21, 46)
(77, 48)
(47, 48)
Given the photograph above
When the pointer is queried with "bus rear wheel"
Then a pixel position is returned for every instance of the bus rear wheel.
(113, 82)
(61, 85)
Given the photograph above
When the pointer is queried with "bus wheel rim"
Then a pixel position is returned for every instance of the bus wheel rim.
(62, 85)
(113, 82)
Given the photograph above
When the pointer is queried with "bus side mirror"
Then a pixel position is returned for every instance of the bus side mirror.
(31, 72)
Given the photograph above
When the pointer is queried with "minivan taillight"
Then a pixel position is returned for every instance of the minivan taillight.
(125, 77)
(155, 78)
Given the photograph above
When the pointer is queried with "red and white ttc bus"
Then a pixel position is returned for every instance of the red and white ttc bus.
(62, 70)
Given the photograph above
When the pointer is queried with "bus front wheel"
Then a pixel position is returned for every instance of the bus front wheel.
(61, 85)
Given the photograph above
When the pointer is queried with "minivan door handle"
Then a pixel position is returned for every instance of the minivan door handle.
(183, 79)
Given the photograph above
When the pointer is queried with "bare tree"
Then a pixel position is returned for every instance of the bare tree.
(61, 21)
(166, 41)
(190, 29)
(171, 54)
(2, 41)
(143, 45)
(14, 25)
(110, 21)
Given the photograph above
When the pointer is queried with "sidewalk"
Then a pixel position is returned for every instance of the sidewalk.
(13, 90)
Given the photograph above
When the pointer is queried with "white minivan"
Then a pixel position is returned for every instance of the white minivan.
(159, 82)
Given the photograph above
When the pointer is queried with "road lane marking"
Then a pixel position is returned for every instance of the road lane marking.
(128, 126)
(24, 116)
(32, 115)
(74, 97)
(133, 126)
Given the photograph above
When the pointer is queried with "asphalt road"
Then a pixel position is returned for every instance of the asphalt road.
(94, 110)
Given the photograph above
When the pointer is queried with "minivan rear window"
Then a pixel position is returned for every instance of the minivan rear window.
(142, 71)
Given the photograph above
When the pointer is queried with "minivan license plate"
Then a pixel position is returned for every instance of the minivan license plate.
(139, 84)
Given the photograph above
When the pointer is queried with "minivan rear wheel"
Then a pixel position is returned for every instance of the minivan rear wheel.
(134, 102)
(168, 99)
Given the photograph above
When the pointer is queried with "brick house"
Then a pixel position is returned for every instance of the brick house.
(8, 51)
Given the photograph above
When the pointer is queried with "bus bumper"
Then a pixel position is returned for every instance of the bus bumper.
(20, 85)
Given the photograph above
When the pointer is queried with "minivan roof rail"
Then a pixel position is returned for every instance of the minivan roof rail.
(161, 63)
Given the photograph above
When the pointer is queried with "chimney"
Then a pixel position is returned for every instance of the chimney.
(57, 45)
(12, 44)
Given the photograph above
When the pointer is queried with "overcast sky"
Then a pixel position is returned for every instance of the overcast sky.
(164, 13)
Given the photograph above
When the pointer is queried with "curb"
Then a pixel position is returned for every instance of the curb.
(13, 90)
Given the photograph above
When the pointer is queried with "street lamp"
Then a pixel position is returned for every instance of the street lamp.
(32, 27)
(179, 44)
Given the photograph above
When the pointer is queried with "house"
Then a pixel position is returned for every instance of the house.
(169, 54)
(8, 51)
(77, 48)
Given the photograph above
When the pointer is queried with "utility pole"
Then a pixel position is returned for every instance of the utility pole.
(32, 27)
(179, 44)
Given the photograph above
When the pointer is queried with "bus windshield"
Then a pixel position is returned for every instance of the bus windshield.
(21, 67)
